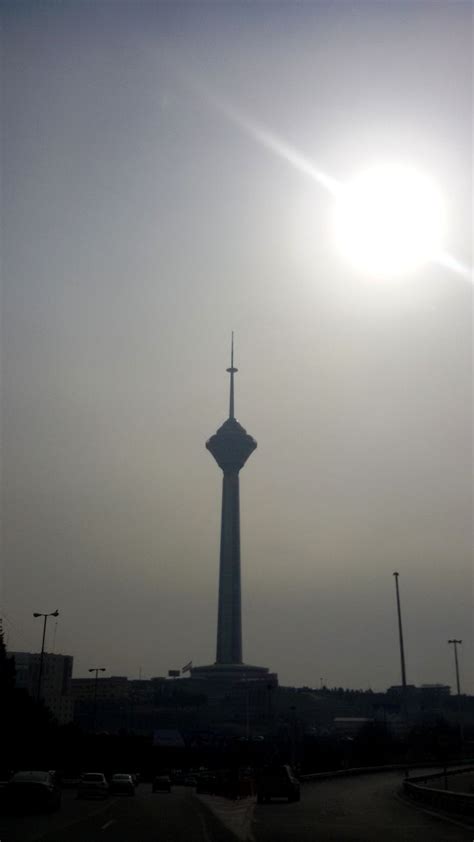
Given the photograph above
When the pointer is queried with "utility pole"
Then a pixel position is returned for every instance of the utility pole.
(247, 712)
(455, 644)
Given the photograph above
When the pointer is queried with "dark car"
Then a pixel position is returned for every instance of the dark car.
(93, 785)
(161, 783)
(32, 791)
(278, 782)
(122, 783)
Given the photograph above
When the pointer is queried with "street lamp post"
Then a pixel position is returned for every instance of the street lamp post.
(40, 674)
(402, 660)
(455, 644)
(400, 633)
(96, 670)
(294, 747)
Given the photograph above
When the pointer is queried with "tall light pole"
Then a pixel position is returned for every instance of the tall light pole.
(40, 674)
(96, 670)
(455, 644)
(400, 633)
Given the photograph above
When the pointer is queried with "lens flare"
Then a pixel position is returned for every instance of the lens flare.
(387, 221)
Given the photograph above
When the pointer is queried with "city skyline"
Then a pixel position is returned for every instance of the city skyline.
(141, 225)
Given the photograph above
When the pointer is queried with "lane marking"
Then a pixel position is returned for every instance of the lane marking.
(204, 827)
(107, 824)
(75, 821)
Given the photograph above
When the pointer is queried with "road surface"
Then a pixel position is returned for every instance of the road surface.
(358, 809)
(161, 817)
(365, 808)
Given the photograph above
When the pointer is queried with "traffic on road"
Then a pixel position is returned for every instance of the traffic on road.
(121, 808)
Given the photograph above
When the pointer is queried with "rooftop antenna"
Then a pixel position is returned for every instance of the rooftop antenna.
(232, 371)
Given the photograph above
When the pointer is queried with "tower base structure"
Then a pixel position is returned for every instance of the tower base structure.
(219, 679)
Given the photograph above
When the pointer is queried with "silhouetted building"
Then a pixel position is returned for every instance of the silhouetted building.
(231, 446)
(110, 688)
(397, 690)
(116, 703)
(55, 681)
(348, 726)
(433, 696)
(437, 690)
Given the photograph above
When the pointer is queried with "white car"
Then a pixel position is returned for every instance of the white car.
(122, 783)
(93, 785)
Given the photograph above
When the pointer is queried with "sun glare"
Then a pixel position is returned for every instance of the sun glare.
(389, 220)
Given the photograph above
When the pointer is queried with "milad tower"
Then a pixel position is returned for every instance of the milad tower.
(230, 446)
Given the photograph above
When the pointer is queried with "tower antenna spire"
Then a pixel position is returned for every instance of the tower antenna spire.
(232, 371)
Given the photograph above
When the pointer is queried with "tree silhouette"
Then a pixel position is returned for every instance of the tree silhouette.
(7, 668)
(26, 726)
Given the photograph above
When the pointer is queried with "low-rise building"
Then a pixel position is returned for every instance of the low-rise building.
(349, 726)
(55, 686)
(106, 688)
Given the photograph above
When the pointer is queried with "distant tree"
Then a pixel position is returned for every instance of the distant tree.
(7, 668)
(26, 726)
(373, 745)
(437, 740)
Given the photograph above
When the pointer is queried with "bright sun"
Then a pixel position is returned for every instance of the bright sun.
(389, 220)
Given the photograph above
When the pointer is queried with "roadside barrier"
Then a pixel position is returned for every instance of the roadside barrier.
(369, 770)
(362, 770)
(460, 803)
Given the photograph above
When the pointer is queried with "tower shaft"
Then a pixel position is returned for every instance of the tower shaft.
(229, 621)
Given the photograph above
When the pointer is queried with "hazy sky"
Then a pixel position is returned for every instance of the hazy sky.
(140, 225)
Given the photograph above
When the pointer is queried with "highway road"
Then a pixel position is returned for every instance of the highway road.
(146, 817)
(357, 809)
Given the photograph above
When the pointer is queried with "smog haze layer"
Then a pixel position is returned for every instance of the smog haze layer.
(141, 224)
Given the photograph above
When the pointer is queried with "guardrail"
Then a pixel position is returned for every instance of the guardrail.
(356, 770)
(394, 767)
(461, 803)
